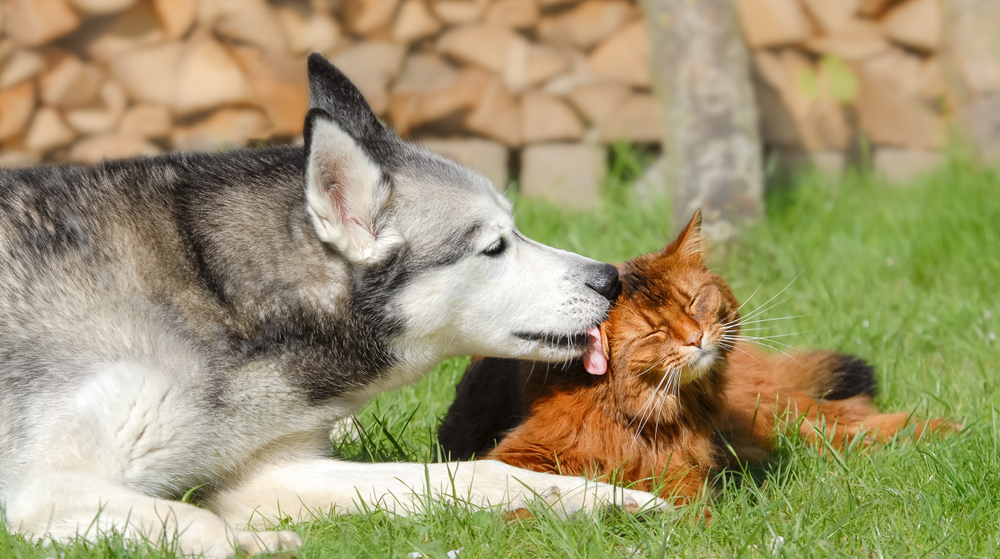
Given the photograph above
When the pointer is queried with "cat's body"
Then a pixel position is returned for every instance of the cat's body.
(681, 390)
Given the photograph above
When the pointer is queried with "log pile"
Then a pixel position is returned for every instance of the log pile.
(829, 74)
(82, 80)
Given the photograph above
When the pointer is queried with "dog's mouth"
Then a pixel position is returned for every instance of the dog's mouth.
(589, 343)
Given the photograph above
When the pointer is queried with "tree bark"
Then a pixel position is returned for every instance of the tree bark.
(701, 75)
(971, 61)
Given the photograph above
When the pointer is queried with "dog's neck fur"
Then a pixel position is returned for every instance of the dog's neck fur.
(300, 303)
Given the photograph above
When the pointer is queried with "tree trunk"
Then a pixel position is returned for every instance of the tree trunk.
(701, 74)
(971, 61)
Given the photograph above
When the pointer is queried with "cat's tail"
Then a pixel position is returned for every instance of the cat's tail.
(838, 376)
(823, 375)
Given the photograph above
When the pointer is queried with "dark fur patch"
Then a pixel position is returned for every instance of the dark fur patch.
(488, 403)
(851, 376)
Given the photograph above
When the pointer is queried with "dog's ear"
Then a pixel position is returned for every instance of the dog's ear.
(346, 192)
(331, 91)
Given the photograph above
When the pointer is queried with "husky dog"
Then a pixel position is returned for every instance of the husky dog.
(203, 319)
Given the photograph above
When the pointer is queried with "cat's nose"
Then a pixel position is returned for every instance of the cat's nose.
(604, 280)
(695, 339)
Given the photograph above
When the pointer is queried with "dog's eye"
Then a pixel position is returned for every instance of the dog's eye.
(497, 248)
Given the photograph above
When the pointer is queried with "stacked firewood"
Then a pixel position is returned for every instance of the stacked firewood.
(81, 80)
(833, 72)
(85, 79)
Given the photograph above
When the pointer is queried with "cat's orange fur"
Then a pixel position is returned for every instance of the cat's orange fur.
(679, 382)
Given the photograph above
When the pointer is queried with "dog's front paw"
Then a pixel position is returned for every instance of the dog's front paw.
(255, 543)
(573, 494)
(567, 495)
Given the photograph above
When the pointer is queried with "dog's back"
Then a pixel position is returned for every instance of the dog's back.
(102, 269)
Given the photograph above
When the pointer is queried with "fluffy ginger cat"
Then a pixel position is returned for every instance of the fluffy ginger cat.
(682, 395)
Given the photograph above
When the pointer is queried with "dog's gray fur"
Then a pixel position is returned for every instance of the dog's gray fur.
(203, 319)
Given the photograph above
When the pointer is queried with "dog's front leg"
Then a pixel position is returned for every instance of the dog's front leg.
(63, 506)
(306, 489)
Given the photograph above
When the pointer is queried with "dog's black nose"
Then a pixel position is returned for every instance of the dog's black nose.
(604, 280)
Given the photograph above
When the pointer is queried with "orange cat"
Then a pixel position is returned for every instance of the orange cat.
(678, 377)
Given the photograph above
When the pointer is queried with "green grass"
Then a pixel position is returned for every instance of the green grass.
(906, 277)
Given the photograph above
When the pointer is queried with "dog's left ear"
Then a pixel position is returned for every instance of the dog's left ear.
(332, 92)
(347, 191)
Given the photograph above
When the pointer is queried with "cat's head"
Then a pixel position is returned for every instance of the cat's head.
(674, 319)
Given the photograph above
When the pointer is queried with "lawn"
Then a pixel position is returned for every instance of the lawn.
(904, 276)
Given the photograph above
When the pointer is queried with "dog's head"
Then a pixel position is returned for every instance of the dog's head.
(434, 243)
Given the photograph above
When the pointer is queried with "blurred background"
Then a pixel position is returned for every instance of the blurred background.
(528, 90)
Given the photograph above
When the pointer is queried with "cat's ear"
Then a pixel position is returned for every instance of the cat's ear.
(691, 242)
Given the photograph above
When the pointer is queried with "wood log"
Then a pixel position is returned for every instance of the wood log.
(131, 70)
(307, 30)
(854, 39)
(486, 156)
(114, 145)
(47, 131)
(226, 127)
(892, 119)
(70, 83)
(638, 118)
(872, 8)
(136, 29)
(17, 104)
(253, 22)
(528, 65)
(497, 116)
(831, 15)
(276, 82)
(597, 101)
(362, 17)
(97, 120)
(33, 23)
(546, 118)
(146, 121)
(587, 24)
(567, 174)
(371, 65)
(915, 23)
(21, 65)
(772, 22)
(460, 12)
(207, 77)
(414, 22)
(176, 16)
(101, 7)
(480, 44)
(624, 56)
(517, 14)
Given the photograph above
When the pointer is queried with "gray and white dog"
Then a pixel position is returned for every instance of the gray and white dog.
(203, 319)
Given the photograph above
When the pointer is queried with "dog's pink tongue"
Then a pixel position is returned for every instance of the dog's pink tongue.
(594, 360)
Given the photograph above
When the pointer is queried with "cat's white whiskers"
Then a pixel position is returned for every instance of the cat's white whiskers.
(765, 307)
(778, 349)
(769, 336)
(746, 301)
(650, 403)
(758, 312)
(746, 322)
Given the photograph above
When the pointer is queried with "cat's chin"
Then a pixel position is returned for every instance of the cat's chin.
(699, 364)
